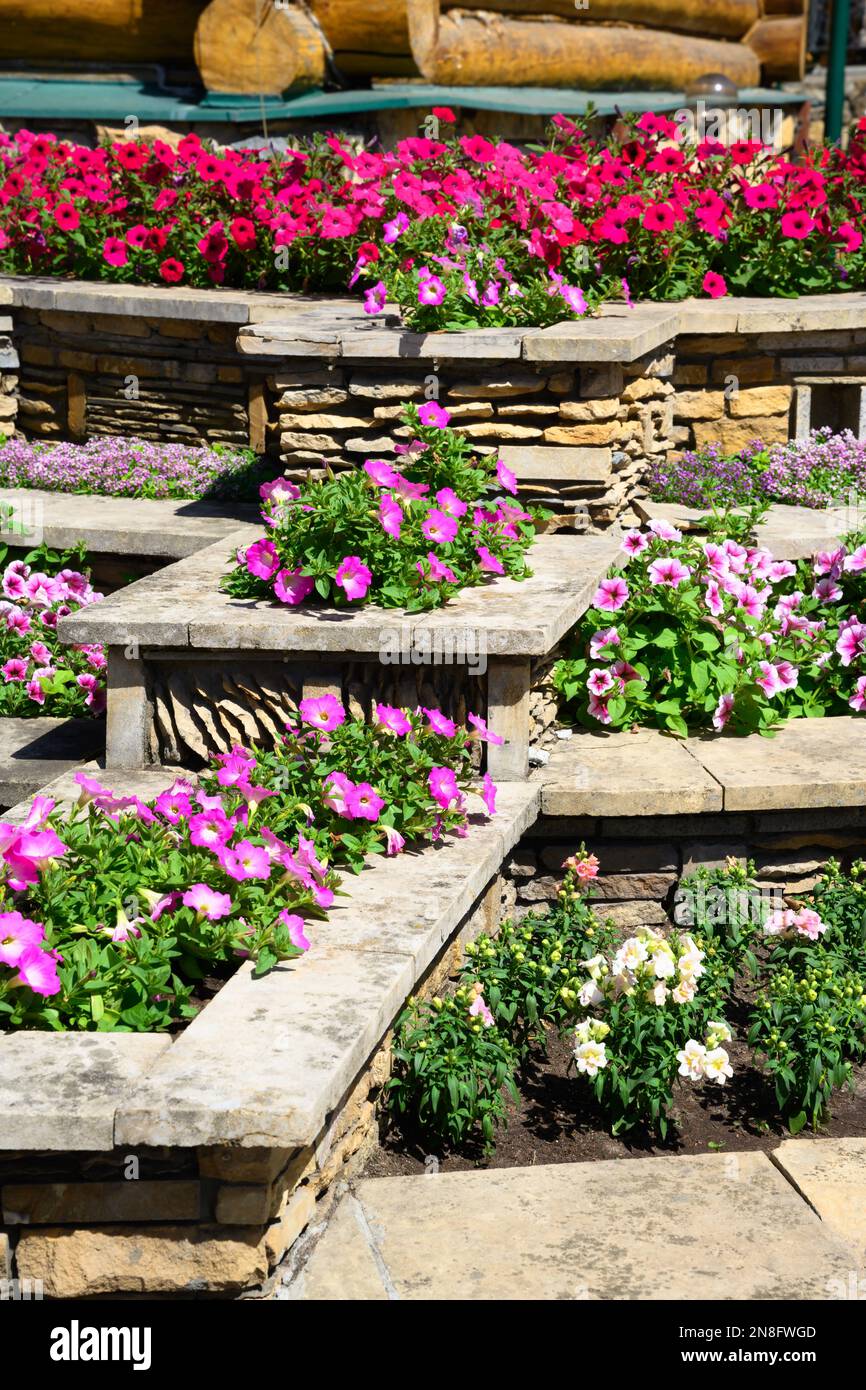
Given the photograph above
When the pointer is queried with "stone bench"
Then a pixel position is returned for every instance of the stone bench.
(185, 660)
(789, 533)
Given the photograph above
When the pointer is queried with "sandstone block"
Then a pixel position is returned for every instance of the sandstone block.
(699, 405)
(605, 433)
(601, 408)
(734, 435)
(760, 400)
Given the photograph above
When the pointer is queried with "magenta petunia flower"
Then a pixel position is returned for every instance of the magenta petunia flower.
(488, 793)
(443, 786)
(207, 902)
(670, 573)
(392, 718)
(364, 803)
(439, 722)
(37, 970)
(432, 414)
(607, 637)
(325, 712)
(390, 516)
(245, 860)
(488, 561)
(451, 504)
(610, 595)
(296, 926)
(851, 642)
(714, 285)
(210, 829)
(17, 933)
(14, 669)
(262, 559)
(431, 290)
(382, 473)
(353, 577)
(486, 735)
(114, 251)
(374, 298)
(335, 792)
(633, 542)
(438, 572)
(292, 587)
(507, 479)
(439, 528)
(722, 712)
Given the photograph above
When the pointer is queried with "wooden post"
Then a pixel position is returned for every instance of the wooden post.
(508, 716)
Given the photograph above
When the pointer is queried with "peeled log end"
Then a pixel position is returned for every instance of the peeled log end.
(243, 48)
(779, 41)
(467, 51)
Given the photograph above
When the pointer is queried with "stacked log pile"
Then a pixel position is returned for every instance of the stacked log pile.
(277, 46)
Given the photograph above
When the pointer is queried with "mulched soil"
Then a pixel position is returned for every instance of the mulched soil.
(558, 1121)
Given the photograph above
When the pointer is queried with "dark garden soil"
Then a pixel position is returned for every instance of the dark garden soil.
(558, 1121)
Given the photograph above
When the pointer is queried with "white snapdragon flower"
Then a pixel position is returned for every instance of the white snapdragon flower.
(590, 1057)
(589, 994)
(718, 1032)
(717, 1066)
(664, 964)
(684, 992)
(692, 1060)
(630, 956)
(582, 1030)
(596, 967)
(659, 993)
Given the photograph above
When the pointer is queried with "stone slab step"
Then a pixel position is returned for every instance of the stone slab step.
(182, 606)
(124, 526)
(713, 1226)
(35, 751)
(810, 763)
(789, 533)
(267, 1060)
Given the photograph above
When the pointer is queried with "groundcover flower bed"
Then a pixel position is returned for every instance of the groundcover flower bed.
(820, 471)
(752, 1003)
(42, 676)
(457, 232)
(691, 634)
(118, 467)
(408, 536)
(126, 915)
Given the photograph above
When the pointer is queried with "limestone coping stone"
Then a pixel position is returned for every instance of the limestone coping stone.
(287, 325)
(33, 751)
(182, 606)
(166, 528)
(61, 1091)
(809, 763)
(789, 533)
(645, 773)
(831, 1175)
(269, 1059)
(579, 1231)
(145, 782)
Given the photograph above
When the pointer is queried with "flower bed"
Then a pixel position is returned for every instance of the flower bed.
(715, 634)
(816, 472)
(127, 915)
(647, 1016)
(460, 232)
(41, 676)
(117, 467)
(376, 533)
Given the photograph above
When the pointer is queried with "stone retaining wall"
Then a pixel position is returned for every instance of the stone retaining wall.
(214, 1221)
(644, 858)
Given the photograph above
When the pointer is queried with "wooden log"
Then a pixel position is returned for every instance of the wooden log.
(713, 18)
(472, 50)
(779, 42)
(251, 47)
(97, 31)
(365, 26)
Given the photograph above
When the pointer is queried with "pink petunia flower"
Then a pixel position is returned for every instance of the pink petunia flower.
(506, 478)
(364, 803)
(392, 719)
(296, 926)
(610, 595)
(443, 786)
(487, 735)
(207, 902)
(353, 577)
(390, 516)
(488, 561)
(262, 559)
(439, 528)
(292, 587)
(325, 712)
(432, 415)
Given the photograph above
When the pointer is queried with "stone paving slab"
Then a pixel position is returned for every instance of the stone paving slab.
(809, 763)
(831, 1175)
(60, 1091)
(35, 751)
(646, 773)
(638, 1229)
(141, 526)
(182, 606)
(145, 782)
(790, 533)
(268, 1059)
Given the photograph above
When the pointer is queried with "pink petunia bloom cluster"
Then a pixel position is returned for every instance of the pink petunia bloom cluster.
(456, 230)
(32, 659)
(778, 630)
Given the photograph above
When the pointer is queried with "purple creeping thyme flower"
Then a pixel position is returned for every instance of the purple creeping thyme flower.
(116, 467)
